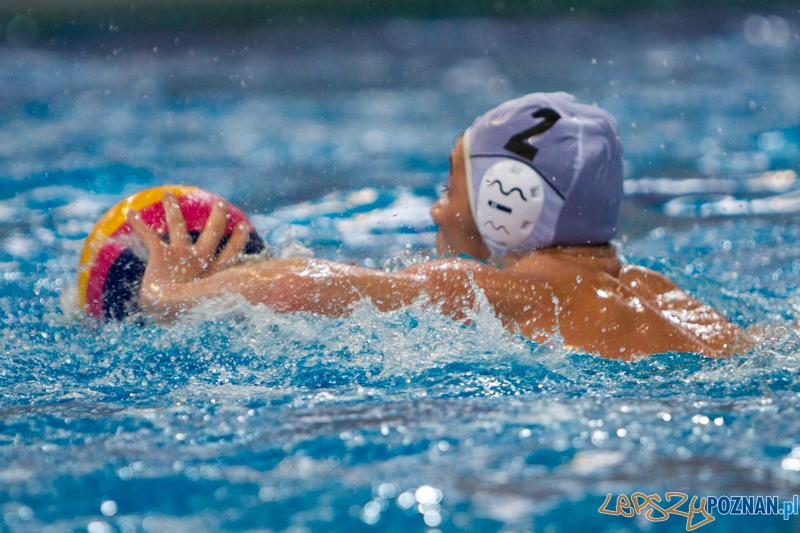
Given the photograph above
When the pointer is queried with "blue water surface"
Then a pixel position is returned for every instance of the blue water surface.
(334, 138)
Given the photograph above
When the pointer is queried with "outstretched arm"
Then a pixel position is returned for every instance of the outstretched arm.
(179, 275)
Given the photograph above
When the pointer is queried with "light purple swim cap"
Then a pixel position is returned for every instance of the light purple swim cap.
(544, 170)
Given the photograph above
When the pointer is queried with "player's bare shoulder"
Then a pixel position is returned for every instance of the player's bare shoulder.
(701, 320)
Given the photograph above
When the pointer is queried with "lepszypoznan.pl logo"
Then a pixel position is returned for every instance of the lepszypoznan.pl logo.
(697, 511)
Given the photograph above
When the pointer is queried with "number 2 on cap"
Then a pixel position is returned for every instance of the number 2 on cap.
(517, 144)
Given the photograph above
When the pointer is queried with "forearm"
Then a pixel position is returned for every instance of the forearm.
(288, 285)
(164, 301)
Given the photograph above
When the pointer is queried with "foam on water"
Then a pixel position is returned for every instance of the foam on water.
(238, 418)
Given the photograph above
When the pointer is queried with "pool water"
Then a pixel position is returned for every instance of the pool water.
(334, 138)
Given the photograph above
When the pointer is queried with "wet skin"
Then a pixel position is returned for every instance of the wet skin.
(597, 304)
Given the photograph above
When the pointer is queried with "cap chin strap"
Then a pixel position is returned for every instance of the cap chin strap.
(465, 144)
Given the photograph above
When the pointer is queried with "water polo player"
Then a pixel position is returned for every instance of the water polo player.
(534, 195)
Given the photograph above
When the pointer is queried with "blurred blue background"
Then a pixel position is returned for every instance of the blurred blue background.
(330, 124)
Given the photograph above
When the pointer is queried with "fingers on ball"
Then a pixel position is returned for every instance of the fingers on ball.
(235, 245)
(208, 242)
(148, 235)
(176, 225)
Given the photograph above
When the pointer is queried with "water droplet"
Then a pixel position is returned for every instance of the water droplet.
(108, 508)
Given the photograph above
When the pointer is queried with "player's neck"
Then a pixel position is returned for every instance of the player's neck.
(601, 257)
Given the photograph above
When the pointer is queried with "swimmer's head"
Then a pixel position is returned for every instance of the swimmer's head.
(543, 170)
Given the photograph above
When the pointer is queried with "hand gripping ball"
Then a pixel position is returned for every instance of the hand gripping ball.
(113, 260)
